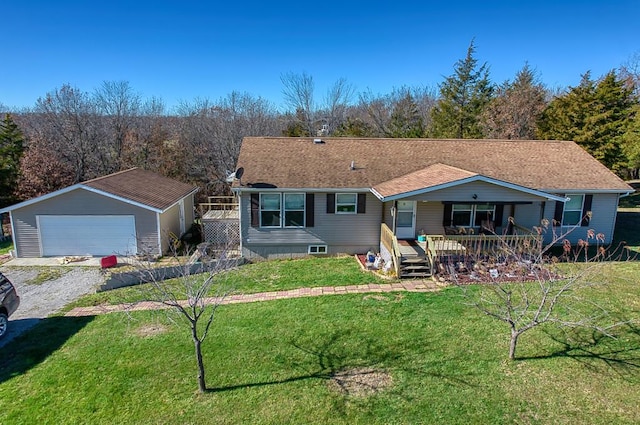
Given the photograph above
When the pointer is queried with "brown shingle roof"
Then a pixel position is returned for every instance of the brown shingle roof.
(142, 186)
(433, 175)
(300, 163)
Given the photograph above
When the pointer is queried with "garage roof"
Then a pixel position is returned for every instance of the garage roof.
(135, 186)
(144, 187)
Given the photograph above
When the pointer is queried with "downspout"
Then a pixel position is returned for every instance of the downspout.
(239, 200)
(394, 216)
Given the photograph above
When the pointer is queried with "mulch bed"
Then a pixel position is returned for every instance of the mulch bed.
(483, 272)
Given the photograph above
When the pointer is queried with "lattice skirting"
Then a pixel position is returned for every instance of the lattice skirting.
(222, 232)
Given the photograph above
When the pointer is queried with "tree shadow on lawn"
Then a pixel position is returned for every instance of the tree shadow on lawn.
(599, 352)
(330, 358)
(35, 344)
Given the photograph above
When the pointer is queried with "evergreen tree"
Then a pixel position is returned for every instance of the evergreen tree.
(463, 98)
(594, 115)
(354, 127)
(296, 126)
(516, 109)
(631, 144)
(406, 121)
(11, 149)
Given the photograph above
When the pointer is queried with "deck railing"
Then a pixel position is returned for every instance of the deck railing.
(478, 245)
(390, 242)
(219, 203)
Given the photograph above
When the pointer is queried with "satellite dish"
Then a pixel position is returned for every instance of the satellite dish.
(235, 175)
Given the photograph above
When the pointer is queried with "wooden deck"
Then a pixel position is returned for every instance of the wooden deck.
(410, 248)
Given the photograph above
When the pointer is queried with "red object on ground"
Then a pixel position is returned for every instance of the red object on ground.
(109, 261)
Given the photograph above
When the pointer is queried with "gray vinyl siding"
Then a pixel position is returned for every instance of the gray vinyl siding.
(429, 218)
(80, 202)
(529, 215)
(430, 207)
(189, 211)
(342, 233)
(486, 192)
(169, 223)
(604, 208)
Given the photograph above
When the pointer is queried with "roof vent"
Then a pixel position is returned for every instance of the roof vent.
(318, 141)
(352, 166)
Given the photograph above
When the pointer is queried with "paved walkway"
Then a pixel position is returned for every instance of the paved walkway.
(407, 286)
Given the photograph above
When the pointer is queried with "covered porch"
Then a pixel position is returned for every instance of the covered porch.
(446, 212)
(422, 257)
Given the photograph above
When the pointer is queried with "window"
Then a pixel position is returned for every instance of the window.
(269, 210)
(317, 249)
(346, 203)
(461, 215)
(472, 215)
(484, 214)
(572, 211)
(282, 210)
(294, 210)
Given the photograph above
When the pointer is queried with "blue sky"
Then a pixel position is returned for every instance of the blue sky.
(180, 51)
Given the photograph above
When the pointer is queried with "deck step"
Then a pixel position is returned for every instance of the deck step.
(414, 260)
(416, 274)
(415, 267)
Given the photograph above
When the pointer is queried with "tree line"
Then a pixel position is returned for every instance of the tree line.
(70, 135)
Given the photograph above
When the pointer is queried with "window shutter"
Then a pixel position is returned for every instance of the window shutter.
(255, 210)
(446, 219)
(586, 209)
(362, 203)
(557, 216)
(331, 203)
(497, 220)
(309, 210)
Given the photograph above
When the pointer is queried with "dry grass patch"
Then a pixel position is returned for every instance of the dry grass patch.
(360, 382)
(149, 330)
(396, 297)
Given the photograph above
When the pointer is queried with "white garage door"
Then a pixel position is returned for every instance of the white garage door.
(87, 235)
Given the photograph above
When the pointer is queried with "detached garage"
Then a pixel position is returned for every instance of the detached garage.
(126, 213)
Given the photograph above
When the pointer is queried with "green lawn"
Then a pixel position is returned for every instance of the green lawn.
(272, 363)
(262, 277)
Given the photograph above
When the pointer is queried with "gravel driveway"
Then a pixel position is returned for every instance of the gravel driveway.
(38, 301)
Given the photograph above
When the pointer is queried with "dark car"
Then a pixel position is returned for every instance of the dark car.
(9, 302)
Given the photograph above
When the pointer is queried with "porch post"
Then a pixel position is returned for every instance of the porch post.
(394, 216)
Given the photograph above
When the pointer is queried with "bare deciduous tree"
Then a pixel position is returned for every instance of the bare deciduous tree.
(381, 110)
(119, 107)
(68, 127)
(298, 91)
(525, 286)
(337, 100)
(41, 172)
(211, 134)
(194, 293)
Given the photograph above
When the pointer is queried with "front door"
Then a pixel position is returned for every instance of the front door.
(406, 220)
